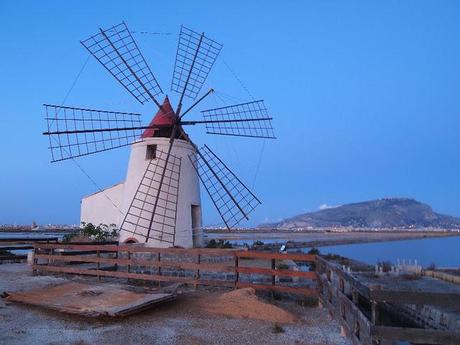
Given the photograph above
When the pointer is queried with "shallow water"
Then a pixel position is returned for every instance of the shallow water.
(443, 252)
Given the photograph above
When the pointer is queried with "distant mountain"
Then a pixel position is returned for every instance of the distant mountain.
(382, 213)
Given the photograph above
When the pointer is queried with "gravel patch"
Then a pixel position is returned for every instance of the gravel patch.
(178, 322)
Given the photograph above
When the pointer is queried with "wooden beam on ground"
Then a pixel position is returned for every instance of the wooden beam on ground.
(416, 335)
(416, 297)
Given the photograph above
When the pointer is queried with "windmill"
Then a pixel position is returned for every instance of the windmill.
(159, 202)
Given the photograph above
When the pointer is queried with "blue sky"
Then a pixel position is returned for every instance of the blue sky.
(365, 96)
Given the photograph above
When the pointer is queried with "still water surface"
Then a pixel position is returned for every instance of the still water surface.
(443, 252)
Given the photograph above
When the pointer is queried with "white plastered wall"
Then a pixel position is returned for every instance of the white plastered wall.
(189, 192)
(103, 207)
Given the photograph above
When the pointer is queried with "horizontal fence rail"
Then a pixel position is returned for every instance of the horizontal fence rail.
(360, 309)
(273, 272)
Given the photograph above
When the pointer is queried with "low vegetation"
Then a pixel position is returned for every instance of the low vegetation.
(276, 328)
(219, 244)
(5, 253)
(89, 232)
(258, 243)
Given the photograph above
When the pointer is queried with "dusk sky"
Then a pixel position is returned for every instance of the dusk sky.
(365, 96)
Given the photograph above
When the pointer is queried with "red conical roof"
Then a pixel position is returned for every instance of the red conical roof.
(164, 117)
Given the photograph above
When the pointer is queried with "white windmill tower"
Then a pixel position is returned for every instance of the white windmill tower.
(159, 202)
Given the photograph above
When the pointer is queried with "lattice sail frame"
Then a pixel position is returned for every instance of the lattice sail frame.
(117, 51)
(99, 130)
(75, 132)
(146, 214)
(232, 199)
(195, 57)
(248, 119)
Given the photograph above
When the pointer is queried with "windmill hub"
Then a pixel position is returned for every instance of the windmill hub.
(163, 122)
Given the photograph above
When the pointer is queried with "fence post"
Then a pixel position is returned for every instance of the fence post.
(374, 313)
(159, 268)
(273, 268)
(237, 274)
(198, 270)
(98, 255)
(35, 260)
(354, 295)
(116, 257)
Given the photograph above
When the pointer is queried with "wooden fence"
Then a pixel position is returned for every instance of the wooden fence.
(360, 309)
(214, 267)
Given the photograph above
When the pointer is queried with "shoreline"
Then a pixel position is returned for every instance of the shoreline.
(324, 238)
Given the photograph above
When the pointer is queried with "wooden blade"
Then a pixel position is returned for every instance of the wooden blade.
(249, 119)
(195, 57)
(232, 199)
(117, 51)
(153, 210)
(75, 132)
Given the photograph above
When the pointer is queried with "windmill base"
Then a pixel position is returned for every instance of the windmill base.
(104, 207)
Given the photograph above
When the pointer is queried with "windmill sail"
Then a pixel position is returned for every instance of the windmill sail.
(195, 57)
(117, 51)
(153, 210)
(233, 200)
(75, 132)
(249, 119)
(150, 197)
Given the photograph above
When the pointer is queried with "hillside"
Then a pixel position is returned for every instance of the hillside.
(382, 213)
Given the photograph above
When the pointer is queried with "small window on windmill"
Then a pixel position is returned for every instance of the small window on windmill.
(151, 152)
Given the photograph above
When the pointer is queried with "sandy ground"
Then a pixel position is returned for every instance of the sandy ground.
(183, 321)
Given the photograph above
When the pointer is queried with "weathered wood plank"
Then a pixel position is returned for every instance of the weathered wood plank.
(416, 335)
(139, 262)
(416, 297)
(355, 283)
(130, 275)
(136, 249)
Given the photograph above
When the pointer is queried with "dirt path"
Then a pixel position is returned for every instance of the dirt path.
(185, 321)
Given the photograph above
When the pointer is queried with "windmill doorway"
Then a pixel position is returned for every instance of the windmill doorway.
(196, 225)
